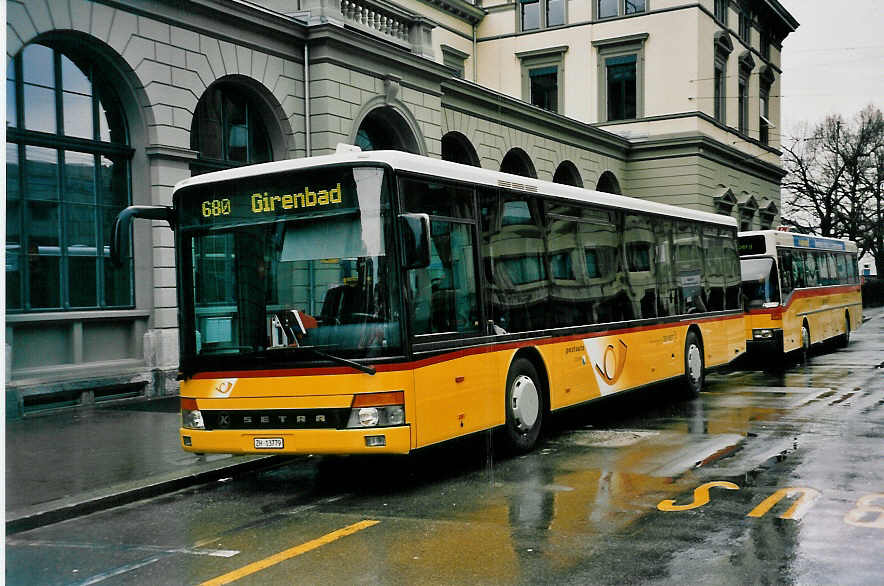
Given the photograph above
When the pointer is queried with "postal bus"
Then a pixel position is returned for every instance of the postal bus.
(383, 301)
(799, 290)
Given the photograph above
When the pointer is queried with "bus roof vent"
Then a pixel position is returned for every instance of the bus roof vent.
(520, 186)
(346, 148)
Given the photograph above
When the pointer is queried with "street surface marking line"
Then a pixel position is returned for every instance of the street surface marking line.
(806, 497)
(288, 554)
(864, 508)
(121, 570)
(218, 553)
(701, 496)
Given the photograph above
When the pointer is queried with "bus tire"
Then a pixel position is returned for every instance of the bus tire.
(805, 341)
(524, 407)
(694, 365)
(844, 339)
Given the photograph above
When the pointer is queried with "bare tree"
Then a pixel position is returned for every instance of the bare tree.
(874, 217)
(833, 179)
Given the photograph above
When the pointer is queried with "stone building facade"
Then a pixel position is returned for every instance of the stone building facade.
(112, 102)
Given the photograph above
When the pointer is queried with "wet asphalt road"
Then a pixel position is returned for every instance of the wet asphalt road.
(769, 477)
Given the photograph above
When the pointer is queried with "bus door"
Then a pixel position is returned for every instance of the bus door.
(453, 378)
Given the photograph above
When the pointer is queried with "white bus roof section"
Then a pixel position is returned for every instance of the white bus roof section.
(437, 168)
(786, 239)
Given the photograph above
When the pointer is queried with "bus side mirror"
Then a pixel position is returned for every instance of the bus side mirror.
(120, 238)
(415, 230)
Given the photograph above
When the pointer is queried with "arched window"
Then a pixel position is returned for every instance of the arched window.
(457, 148)
(608, 183)
(67, 177)
(228, 130)
(385, 129)
(518, 162)
(567, 174)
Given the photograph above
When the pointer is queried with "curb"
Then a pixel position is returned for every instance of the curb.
(123, 494)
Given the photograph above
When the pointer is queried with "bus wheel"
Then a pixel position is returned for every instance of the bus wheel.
(805, 341)
(693, 365)
(524, 406)
(844, 340)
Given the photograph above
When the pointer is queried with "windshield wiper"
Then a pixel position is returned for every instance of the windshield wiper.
(351, 363)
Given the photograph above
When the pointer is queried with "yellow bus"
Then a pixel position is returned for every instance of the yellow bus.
(380, 302)
(799, 290)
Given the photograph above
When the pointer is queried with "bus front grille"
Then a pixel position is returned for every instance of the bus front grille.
(276, 419)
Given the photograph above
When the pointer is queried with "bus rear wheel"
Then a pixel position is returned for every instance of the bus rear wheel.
(694, 365)
(805, 341)
(524, 407)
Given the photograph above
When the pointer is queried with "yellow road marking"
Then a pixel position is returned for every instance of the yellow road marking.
(806, 496)
(288, 554)
(701, 496)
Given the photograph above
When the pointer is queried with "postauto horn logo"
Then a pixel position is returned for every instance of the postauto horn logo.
(608, 359)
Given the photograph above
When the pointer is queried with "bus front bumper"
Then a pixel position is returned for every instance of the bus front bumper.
(381, 440)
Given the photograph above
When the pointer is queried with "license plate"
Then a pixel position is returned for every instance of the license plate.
(268, 443)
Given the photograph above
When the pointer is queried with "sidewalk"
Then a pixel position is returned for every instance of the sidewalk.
(78, 461)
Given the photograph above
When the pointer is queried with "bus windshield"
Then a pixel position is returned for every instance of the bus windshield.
(296, 281)
(760, 285)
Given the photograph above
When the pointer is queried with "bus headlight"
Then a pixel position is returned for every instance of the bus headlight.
(762, 334)
(377, 410)
(369, 416)
(191, 417)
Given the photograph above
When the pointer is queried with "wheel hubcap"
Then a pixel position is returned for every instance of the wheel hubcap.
(525, 404)
(695, 363)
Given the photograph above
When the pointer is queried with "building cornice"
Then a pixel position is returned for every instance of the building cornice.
(473, 100)
(708, 147)
(465, 11)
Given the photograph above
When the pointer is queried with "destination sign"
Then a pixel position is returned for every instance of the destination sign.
(818, 243)
(268, 198)
(749, 245)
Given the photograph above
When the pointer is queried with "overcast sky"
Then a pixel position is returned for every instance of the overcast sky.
(834, 62)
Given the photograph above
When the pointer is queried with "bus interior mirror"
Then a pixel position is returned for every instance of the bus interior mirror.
(415, 240)
(120, 239)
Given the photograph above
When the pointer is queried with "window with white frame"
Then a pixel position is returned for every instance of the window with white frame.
(745, 22)
(721, 10)
(540, 14)
(543, 77)
(613, 8)
(621, 77)
(747, 64)
(723, 48)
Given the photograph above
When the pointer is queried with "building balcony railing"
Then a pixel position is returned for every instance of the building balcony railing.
(376, 17)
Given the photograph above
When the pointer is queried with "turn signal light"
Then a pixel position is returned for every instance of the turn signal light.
(378, 399)
(191, 418)
(377, 410)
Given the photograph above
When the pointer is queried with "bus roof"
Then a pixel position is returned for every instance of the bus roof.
(418, 164)
(808, 241)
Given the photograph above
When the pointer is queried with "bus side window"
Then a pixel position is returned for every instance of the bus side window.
(833, 268)
(786, 272)
(852, 268)
(444, 294)
(663, 268)
(841, 267)
(732, 263)
(638, 241)
(810, 268)
(798, 269)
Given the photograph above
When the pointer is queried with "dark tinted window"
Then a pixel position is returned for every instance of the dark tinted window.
(787, 272)
(749, 245)
(436, 199)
